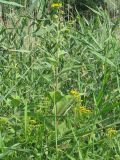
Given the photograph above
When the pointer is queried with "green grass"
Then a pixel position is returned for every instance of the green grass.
(41, 60)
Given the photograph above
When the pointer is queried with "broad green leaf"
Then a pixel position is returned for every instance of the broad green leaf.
(62, 128)
(64, 104)
(58, 96)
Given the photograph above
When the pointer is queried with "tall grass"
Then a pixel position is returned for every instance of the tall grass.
(41, 60)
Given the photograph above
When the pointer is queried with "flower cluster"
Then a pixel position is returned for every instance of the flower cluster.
(111, 132)
(56, 5)
(82, 110)
(75, 93)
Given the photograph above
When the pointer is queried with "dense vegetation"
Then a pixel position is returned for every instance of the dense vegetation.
(59, 82)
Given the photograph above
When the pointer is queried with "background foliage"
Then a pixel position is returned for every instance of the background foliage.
(43, 56)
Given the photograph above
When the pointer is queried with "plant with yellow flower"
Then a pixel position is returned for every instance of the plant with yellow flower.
(77, 96)
(82, 110)
(75, 93)
(56, 5)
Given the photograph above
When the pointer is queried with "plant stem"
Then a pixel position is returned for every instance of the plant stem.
(55, 113)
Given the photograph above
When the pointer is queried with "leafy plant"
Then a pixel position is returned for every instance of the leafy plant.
(60, 84)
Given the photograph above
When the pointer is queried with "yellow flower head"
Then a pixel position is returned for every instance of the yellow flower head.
(82, 110)
(111, 132)
(56, 5)
(74, 92)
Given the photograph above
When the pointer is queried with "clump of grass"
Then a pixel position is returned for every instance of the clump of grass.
(42, 61)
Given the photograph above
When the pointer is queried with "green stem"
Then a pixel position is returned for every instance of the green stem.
(55, 113)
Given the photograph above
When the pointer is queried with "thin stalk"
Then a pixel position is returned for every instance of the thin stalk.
(55, 113)
(56, 79)
(25, 118)
(118, 82)
(25, 3)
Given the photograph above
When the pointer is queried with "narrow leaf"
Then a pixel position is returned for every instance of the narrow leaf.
(11, 3)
